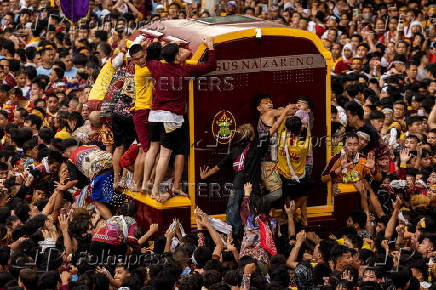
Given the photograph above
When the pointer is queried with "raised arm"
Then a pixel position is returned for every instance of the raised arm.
(292, 260)
(290, 210)
(204, 68)
(214, 235)
(283, 114)
(393, 220)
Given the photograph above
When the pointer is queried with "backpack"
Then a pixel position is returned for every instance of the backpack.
(114, 231)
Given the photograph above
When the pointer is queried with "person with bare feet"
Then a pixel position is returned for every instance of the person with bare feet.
(143, 101)
(168, 131)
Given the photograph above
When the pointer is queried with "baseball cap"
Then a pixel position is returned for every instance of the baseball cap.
(287, 5)
(231, 3)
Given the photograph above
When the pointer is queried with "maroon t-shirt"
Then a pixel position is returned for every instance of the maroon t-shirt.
(172, 82)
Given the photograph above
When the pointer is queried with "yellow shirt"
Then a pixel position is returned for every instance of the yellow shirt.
(143, 88)
(102, 82)
(297, 153)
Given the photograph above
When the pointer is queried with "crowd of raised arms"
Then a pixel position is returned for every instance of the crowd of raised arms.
(65, 162)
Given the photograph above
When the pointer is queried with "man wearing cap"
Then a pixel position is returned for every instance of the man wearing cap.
(231, 7)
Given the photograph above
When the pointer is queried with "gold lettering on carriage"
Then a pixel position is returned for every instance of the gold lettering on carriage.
(275, 63)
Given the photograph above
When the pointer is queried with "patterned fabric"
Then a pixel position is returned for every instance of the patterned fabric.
(115, 230)
(266, 237)
(91, 160)
(238, 164)
(102, 188)
(251, 244)
(270, 177)
(120, 96)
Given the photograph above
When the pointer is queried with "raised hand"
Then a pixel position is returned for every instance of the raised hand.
(397, 203)
(346, 275)
(290, 210)
(405, 156)
(344, 162)
(208, 41)
(230, 246)
(169, 235)
(248, 188)
(153, 228)
(63, 222)
(301, 236)
(249, 268)
(203, 172)
(370, 161)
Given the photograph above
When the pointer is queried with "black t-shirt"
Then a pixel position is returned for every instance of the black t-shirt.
(75, 174)
(253, 158)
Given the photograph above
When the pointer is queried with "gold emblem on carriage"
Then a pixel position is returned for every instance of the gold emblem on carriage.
(223, 126)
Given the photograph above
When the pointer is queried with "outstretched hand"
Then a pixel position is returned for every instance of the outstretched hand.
(248, 188)
(370, 161)
(203, 172)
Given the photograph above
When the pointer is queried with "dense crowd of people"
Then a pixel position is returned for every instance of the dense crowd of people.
(65, 162)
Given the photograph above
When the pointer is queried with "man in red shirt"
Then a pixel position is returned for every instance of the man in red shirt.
(166, 120)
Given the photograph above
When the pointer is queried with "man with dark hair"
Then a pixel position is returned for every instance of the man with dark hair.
(341, 257)
(143, 101)
(20, 116)
(377, 118)
(28, 279)
(414, 126)
(104, 52)
(48, 55)
(167, 124)
(349, 166)
(358, 220)
(33, 122)
(268, 116)
(356, 123)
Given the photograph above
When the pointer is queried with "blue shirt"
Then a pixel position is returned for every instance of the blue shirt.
(43, 71)
(72, 73)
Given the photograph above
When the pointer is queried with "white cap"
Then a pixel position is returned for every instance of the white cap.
(287, 5)
(159, 6)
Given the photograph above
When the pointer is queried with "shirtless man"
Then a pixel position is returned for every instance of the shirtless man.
(268, 115)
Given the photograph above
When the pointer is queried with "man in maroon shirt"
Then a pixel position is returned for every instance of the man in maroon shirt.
(167, 126)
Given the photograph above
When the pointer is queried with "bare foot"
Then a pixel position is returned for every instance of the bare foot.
(155, 197)
(178, 192)
(117, 186)
(163, 197)
(155, 193)
(146, 186)
(122, 183)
